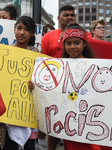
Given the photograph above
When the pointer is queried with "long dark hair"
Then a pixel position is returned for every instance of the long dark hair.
(87, 52)
(30, 23)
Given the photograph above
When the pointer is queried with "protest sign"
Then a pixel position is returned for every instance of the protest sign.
(16, 66)
(73, 99)
(7, 35)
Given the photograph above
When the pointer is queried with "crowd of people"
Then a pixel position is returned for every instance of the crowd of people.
(54, 43)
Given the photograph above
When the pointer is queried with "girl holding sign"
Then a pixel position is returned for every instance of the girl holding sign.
(75, 46)
(25, 36)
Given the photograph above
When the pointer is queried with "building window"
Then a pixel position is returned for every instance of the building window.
(108, 25)
(107, 11)
(108, 30)
(87, 18)
(101, 17)
(108, 5)
(93, 17)
(80, 18)
(107, 0)
(75, 11)
(87, 24)
(67, 1)
(80, 4)
(74, 0)
(62, 2)
(74, 5)
(107, 19)
(87, 3)
(80, 10)
(94, 10)
(101, 11)
(93, 3)
(87, 10)
(101, 4)
(108, 36)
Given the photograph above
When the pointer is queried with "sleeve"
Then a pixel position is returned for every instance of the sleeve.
(44, 45)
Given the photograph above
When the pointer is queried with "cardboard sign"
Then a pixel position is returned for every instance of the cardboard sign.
(73, 99)
(16, 66)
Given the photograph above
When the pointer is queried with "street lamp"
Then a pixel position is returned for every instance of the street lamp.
(37, 11)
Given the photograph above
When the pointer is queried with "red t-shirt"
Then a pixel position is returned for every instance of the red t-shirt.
(71, 145)
(51, 43)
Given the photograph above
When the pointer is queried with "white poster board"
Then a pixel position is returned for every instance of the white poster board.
(73, 99)
(7, 35)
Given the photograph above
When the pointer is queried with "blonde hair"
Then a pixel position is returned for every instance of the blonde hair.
(95, 22)
(51, 63)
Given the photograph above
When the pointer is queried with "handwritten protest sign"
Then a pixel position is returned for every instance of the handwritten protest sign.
(16, 67)
(73, 99)
(7, 35)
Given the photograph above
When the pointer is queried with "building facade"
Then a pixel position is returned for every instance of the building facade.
(27, 8)
(88, 10)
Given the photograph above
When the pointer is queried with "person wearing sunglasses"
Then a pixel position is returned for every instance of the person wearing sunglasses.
(98, 28)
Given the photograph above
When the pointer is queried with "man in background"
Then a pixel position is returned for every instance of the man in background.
(47, 28)
(51, 42)
(97, 29)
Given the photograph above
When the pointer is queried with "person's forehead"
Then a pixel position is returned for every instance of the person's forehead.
(67, 12)
(99, 25)
(21, 24)
(74, 38)
(4, 12)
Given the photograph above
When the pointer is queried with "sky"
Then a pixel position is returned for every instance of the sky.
(51, 6)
